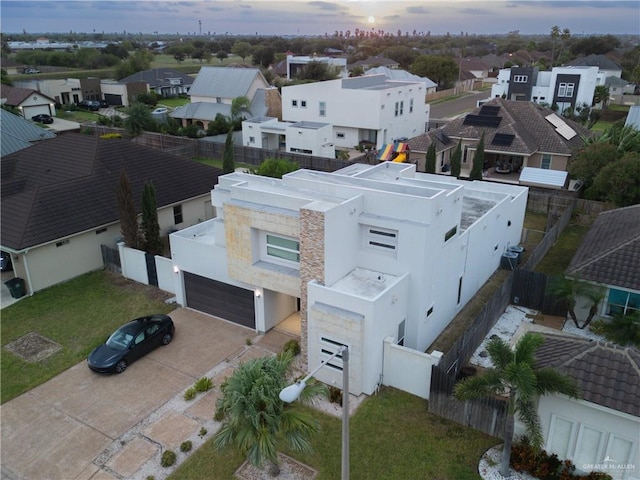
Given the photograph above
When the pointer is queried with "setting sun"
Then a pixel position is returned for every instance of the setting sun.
(372, 19)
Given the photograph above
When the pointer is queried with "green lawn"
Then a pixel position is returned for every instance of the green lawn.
(173, 102)
(78, 315)
(558, 258)
(217, 162)
(392, 436)
(79, 116)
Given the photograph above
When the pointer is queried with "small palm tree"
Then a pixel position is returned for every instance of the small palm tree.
(138, 120)
(254, 419)
(514, 374)
(568, 289)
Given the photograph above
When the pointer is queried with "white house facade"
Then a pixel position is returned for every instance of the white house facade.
(566, 87)
(369, 109)
(305, 138)
(360, 255)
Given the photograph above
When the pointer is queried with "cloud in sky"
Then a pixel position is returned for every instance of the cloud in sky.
(317, 17)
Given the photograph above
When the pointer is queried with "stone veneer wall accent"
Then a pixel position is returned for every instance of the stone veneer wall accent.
(311, 264)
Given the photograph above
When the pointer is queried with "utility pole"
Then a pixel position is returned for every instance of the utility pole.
(200, 26)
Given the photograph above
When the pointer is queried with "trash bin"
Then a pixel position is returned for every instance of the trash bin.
(16, 287)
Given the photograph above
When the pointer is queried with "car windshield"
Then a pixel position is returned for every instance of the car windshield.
(121, 338)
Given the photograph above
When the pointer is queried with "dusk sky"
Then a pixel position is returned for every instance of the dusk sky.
(316, 17)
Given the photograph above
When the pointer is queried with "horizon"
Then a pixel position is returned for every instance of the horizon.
(319, 17)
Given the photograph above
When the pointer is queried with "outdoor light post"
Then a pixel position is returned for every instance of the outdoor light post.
(292, 392)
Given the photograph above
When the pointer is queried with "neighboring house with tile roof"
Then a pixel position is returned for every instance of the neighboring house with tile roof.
(375, 61)
(166, 82)
(601, 430)
(17, 133)
(59, 201)
(517, 135)
(609, 255)
(606, 66)
(30, 102)
(215, 88)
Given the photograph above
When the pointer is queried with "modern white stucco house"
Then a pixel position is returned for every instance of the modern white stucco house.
(360, 254)
(566, 87)
(306, 138)
(370, 108)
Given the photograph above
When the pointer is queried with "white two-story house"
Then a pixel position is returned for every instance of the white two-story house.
(370, 108)
(358, 255)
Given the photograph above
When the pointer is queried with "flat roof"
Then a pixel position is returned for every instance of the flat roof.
(365, 283)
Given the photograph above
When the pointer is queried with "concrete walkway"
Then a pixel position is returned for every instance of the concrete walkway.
(81, 425)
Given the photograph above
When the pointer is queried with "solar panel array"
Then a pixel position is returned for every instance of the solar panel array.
(489, 110)
(503, 139)
(482, 121)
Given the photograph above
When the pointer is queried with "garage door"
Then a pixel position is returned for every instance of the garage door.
(36, 110)
(216, 298)
(113, 99)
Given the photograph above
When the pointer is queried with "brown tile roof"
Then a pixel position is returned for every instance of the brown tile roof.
(526, 122)
(421, 142)
(67, 185)
(610, 251)
(15, 95)
(606, 374)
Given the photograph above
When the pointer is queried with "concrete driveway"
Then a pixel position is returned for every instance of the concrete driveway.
(82, 425)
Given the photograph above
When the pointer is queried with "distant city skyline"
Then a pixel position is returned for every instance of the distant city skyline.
(317, 17)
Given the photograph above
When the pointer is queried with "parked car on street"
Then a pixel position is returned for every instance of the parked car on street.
(92, 105)
(160, 110)
(130, 342)
(31, 70)
(42, 118)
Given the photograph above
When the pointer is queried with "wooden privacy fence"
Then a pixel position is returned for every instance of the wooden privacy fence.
(111, 259)
(530, 290)
(485, 414)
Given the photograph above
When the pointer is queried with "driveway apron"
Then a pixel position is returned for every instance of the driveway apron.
(57, 430)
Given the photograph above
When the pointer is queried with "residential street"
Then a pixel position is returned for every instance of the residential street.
(458, 106)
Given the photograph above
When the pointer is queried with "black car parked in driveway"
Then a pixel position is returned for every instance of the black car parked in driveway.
(130, 342)
(42, 118)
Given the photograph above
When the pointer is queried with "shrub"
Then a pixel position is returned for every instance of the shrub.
(248, 341)
(598, 327)
(202, 432)
(203, 384)
(111, 136)
(292, 346)
(104, 121)
(150, 477)
(168, 458)
(186, 446)
(219, 415)
(335, 395)
(190, 394)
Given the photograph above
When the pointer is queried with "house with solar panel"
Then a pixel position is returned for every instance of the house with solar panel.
(524, 143)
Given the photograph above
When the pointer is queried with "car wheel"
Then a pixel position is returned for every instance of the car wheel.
(121, 366)
(166, 340)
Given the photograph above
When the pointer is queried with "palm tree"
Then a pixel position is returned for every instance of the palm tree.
(601, 94)
(138, 120)
(514, 375)
(555, 34)
(254, 419)
(568, 289)
(239, 106)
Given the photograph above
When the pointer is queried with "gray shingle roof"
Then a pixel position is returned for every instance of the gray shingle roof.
(17, 133)
(202, 111)
(67, 185)
(610, 251)
(526, 122)
(606, 374)
(225, 82)
(601, 61)
(158, 77)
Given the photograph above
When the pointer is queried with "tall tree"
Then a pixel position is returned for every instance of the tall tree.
(442, 70)
(619, 182)
(478, 161)
(228, 164)
(239, 106)
(514, 375)
(150, 226)
(317, 72)
(242, 49)
(276, 167)
(601, 95)
(430, 161)
(127, 211)
(555, 34)
(456, 160)
(254, 419)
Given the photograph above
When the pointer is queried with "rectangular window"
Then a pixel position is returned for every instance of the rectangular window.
(177, 214)
(397, 109)
(62, 242)
(401, 333)
(218, 99)
(566, 89)
(339, 135)
(282, 248)
(465, 154)
(303, 103)
(620, 302)
(546, 161)
(252, 139)
(411, 106)
(294, 103)
(323, 109)
(570, 88)
(520, 78)
(401, 108)
(562, 89)
(381, 238)
(459, 290)
(450, 233)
